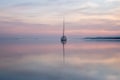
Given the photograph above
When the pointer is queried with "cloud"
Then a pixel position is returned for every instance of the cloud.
(77, 12)
(27, 29)
(90, 5)
(113, 0)
(82, 28)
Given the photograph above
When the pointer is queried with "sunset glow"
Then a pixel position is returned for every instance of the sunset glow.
(25, 17)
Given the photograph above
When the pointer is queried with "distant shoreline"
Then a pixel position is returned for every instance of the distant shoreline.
(103, 38)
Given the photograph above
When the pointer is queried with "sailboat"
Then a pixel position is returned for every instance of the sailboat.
(63, 38)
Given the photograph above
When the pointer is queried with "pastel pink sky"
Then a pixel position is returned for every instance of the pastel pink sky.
(44, 17)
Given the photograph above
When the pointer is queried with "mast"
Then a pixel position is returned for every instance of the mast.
(63, 26)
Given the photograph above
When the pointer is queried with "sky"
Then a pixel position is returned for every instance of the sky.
(44, 17)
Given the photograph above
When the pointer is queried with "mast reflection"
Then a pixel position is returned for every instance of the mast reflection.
(63, 45)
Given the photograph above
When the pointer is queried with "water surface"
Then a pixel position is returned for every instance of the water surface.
(43, 59)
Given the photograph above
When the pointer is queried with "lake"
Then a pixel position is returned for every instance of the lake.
(49, 59)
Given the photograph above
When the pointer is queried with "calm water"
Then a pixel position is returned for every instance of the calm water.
(36, 59)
